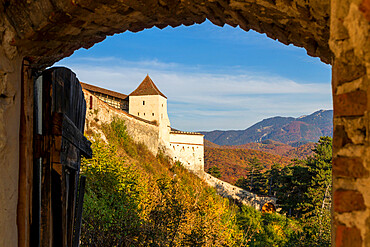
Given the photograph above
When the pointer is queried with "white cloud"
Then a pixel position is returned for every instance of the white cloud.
(226, 99)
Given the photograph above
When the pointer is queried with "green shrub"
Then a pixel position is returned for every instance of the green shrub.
(135, 199)
(112, 211)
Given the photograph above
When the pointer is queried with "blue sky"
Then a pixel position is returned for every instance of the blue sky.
(213, 77)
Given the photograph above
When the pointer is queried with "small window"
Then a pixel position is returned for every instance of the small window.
(91, 102)
(143, 102)
(138, 114)
(153, 114)
(162, 105)
(144, 113)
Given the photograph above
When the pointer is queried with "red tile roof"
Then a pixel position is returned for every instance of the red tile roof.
(103, 91)
(147, 87)
(121, 111)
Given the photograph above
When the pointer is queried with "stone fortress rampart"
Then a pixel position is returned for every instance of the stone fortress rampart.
(186, 147)
(98, 112)
(233, 192)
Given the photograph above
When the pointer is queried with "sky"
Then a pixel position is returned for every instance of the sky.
(214, 77)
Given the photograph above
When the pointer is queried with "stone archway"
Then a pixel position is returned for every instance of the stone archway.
(50, 30)
(45, 31)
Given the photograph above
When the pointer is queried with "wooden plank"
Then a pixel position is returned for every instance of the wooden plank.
(66, 153)
(46, 230)
(66, 191)
(70, 156)
(63, 143)
(57, 206)
(63, 126)
(76, 241)
(37, 165)
(24, 214)
(73, 180)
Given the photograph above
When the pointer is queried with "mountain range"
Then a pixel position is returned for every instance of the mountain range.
(288, 130)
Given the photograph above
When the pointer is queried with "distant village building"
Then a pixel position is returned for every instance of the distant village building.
(147, 103)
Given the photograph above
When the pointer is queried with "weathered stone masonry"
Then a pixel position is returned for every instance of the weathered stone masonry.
(44, 31)
(233, 192)
(350, 43)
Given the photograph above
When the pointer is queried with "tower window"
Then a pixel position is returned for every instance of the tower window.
(144, 113)
(138, 114)
(143, 102)
(162, 105)
(153, 114)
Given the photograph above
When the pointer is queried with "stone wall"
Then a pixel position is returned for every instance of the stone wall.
(350, 43)
(140, 130)
(10, 106)
(188, 148)
(230, 191)
(48, 30)
(45, 31)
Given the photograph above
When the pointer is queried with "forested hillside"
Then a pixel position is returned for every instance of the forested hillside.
(272, 147)
(234, 162)
(136, 199)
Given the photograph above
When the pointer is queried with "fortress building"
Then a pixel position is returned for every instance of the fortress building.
(145, 114)
(149, 105)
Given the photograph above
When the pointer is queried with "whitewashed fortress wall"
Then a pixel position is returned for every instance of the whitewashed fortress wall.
(152, 108)
(149, 107)
(188, 148)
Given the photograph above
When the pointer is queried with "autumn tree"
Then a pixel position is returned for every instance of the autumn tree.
(305, 193)
(134, 198)
(255, 181)
(214, 171)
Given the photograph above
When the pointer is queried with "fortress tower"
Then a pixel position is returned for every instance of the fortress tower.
(147, 102)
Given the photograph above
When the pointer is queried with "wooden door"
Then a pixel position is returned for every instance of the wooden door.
(59, 120)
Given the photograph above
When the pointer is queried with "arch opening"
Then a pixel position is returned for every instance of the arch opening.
(70, 26)
(267, 207)
(65, 27)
